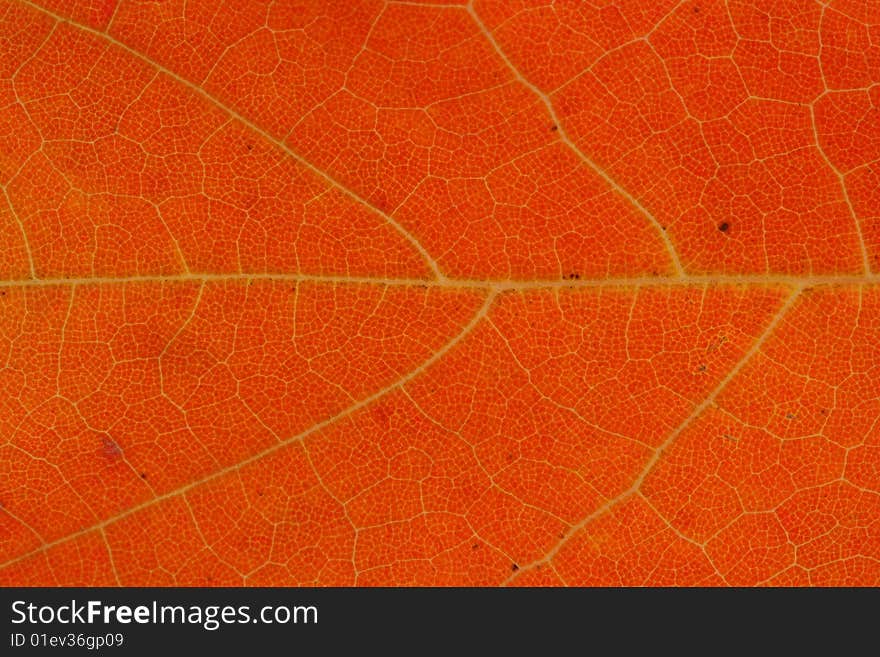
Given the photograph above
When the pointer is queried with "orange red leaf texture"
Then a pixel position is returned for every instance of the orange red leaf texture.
(399, 293)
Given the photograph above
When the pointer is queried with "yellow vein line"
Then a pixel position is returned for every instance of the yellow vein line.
(110, 557)
(459, 283)
(24, 237)
(20, 521)
(866, 262)
(416, 244)
(563, 136)
(655, 457)
(478, 317)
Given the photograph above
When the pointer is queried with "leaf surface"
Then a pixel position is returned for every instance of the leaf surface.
(371, 293)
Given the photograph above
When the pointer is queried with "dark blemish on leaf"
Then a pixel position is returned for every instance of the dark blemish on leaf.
(538, 567)
(727, 436)
(790, 416)
(724, 226)
(716, 344)
(573, 276)
(143, 475)
(260, 493)
(663, 228)
(514, 567)
(561, 535)
(696, 10)
(824, 411)
(2, 293)
(702, 367)
(475, 546)
(554, 128)
(510, 456)
(250, 147)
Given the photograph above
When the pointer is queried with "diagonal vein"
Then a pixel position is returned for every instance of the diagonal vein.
(670, 439)
(24, 237)
(563, 136)
(477, 318)
(333, 182)
(841, 178)
(866, 261)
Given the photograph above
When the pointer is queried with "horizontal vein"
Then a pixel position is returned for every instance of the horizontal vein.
(432, 264)
(481, 313)
(655, 457)
(457, 283)
(563, 136)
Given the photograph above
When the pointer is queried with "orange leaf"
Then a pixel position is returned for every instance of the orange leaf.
(383, 293)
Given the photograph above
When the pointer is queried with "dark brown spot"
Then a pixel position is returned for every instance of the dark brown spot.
(475, 546)
(554, 128)
(143, 475)
(702, 367)
(514, 567)
(250, 147)
(724, 226)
